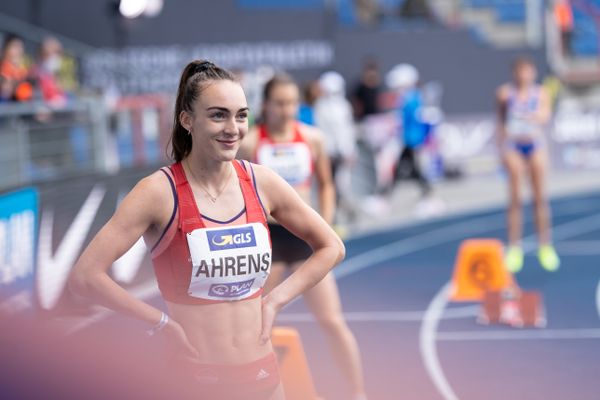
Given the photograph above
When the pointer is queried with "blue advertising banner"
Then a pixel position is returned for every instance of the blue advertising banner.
(18, 222)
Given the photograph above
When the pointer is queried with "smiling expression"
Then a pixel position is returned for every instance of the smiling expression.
(218, 121)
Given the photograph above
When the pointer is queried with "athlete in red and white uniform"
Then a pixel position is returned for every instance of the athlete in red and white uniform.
(230, 260)
(292, 158)
(297, 152)
(205, 219)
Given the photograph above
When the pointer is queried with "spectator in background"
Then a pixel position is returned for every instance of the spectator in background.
(333, 116)
(6, 90)
(15, 85)
(365, 98)
(563, 16)
(54, 91)
(404, 78)
(297, 152)
(67, 74)
(366, 102)
(367, 11)
(306, 114)
(415, 9)
(46, 70)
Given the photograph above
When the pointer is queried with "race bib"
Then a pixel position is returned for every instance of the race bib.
(522, 127)
(291, 161)
(230, 263)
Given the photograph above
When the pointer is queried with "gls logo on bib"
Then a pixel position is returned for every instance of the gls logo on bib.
(233, 238)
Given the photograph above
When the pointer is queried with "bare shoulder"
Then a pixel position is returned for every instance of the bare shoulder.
(263, 176)
(156, 184)
(269, 185)
(502, 92)
(151, 196)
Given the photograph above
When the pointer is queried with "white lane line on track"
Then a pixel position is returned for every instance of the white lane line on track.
(427, 342)
(578, 248)
(383, 316)
(567, 230)
(582, 333)
(576, 206)
(449, 233)
(418, 242)
(598, 298)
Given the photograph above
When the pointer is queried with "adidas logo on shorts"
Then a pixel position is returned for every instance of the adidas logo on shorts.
(262, 374)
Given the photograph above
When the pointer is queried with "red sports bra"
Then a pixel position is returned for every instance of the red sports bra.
(205, 265)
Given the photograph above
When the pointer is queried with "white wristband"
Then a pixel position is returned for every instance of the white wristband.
(164, 319)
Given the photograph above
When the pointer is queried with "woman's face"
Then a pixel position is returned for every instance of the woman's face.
(525, 74)
(282, 105)
(14, 51)
(219, 120)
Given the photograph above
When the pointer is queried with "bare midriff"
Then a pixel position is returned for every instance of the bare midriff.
(223, 333)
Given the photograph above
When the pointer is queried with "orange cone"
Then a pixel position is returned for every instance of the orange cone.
(293, 366)
(479, 267)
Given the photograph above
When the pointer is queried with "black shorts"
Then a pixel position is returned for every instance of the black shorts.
(287, 247)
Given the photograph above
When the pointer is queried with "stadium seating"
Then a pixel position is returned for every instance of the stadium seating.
(508, 11)
(346, 9)
(585, 36)
(278, 4)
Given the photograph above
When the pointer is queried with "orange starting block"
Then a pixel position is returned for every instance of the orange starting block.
(295, 374)
(479, 268)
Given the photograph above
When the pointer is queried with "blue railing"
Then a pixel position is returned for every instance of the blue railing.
(506, 10)
(585, 34)
(281, 4)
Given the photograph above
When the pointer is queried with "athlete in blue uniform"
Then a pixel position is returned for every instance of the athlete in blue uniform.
(523, 111)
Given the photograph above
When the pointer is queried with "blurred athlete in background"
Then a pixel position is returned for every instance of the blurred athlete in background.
(297, 153)
(524, 109)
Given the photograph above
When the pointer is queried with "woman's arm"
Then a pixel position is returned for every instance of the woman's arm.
(326, 188)
(501, 99)
(544, 111)
(137, 213)
(294, 214)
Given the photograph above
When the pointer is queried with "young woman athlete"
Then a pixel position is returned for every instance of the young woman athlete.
(524, 109)
(204, 218)
(297, 152)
